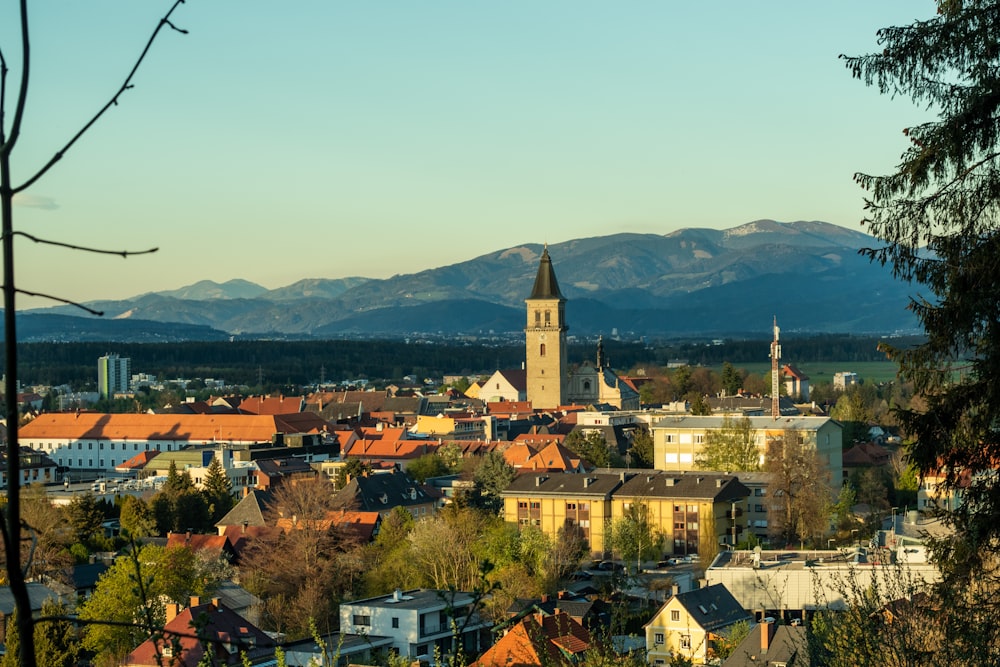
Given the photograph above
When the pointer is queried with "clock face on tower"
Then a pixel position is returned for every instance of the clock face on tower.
(542, 337)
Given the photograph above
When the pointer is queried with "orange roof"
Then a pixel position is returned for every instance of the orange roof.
(169, 427)
(538, 640)
(198, 542)
(384, 433)
(137, 462)
(392, 449)
(271, 405)
(519, 453)
(555, 458)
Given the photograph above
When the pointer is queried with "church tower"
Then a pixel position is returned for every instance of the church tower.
(545, 339)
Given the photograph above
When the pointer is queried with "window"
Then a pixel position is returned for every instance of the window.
(538, 318)
(548, 318)
(669, 437)
(758, 508)
(535, 505)
(571, 507)
(658, 638)
(699, 439)
(671, 458)
(395, 622)
(675, 615)
(90, 445)
(759, 493)
(686, 458)
(678, 525)
(692, 509)
(686, 641)
(360, 619)
(521, 504)
(541, 350)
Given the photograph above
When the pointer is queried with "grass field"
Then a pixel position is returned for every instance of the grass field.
(822, 372)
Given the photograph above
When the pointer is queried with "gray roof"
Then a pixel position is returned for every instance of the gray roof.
(713, 607)
(795, 423)
(788, 646)
(560, 484)
(37, 593)
(718, 487)
(249, 510)
(382, 491)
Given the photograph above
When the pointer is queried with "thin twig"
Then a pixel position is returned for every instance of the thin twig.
(73, 246)
(68, 302)
(165, 21)
(22, 94)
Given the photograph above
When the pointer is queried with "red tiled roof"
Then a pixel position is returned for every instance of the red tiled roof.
(166, 427)
(137, 462)
(271, 405)
(538, 640)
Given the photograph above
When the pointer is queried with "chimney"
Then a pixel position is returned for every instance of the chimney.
(719, 482)
(195, 601)
(172, 611)
(545, 598)
(766, 630)
(675, 590)
(217, 603)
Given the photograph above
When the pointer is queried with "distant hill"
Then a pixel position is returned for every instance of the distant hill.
(689, 282)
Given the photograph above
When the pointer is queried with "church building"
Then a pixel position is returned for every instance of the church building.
(548, 381)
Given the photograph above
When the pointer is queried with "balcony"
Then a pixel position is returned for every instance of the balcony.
(731, 514)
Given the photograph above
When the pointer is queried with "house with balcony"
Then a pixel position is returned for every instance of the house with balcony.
(420, 623)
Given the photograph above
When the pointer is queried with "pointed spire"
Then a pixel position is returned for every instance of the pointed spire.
(546, 286)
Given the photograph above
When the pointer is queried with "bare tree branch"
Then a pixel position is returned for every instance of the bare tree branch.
(68, 302)
(165, 21)
(72, 246)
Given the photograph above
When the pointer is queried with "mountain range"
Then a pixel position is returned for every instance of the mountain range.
(691, 282)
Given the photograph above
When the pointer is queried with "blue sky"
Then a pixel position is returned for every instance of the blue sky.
(322, 139)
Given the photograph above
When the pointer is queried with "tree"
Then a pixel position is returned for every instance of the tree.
(642, 449)
(85, 518)
(634, 536)
(428, 465)
(10, 526)
(799, 489)
(732, 379)
(936, 218)
(132, 594)
(218, 490)
(492, 477)
(590, 445)
(732, 447)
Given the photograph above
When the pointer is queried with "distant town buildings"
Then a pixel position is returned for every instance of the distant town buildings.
(845, 379)
(113, 374)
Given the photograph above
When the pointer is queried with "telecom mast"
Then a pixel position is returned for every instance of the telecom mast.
(775, 356)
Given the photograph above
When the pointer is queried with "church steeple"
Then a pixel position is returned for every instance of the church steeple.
(546, 285)
(545, 339)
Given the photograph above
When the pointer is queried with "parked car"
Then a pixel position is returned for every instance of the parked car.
(610, 566)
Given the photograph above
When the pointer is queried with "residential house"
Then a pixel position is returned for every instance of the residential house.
(681, 506)
(771, 645)
(37, 595)
(452, 427)
(505, 385)
(223, 638)
(796, 382)
(381, 492)
(677, 441)
(539, 640)
(420, 622)
(689, 623)
(35, 467)
(689, 509)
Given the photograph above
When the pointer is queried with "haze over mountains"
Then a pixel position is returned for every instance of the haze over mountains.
(692, 282)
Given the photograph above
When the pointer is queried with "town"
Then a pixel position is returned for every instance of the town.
(540, 515)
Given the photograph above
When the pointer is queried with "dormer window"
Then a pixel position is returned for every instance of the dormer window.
(384, 499)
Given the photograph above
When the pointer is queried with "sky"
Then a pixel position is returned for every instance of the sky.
(324, 138)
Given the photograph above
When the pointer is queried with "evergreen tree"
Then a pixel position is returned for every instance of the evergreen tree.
(218, 490)
(936, 217)
(137, 518)
(86, 518)
(492, 477)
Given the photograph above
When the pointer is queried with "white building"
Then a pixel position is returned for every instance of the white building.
(418, 621)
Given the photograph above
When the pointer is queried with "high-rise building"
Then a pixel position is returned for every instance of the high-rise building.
(113, 373)
(545, 339)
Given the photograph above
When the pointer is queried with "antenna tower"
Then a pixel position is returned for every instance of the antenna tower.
(775, 356)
